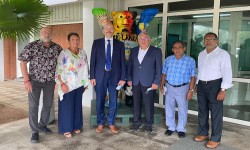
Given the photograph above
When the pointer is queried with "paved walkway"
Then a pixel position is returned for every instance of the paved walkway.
(16, 135)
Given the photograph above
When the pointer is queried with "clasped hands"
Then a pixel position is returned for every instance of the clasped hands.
(120, 83)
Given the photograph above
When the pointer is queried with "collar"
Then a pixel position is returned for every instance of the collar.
(184, 55)
(111, 39)
(41, 43)
(144, 50)
(213, 51)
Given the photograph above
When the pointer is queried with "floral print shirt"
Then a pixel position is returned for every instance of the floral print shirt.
(73, 70)
(42, 60)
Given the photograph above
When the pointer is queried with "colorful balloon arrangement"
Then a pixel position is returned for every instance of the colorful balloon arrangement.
(146, 16)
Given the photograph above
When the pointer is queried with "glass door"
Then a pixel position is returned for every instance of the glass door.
(189, 29)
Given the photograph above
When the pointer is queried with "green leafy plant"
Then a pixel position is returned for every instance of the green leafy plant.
(21, 18)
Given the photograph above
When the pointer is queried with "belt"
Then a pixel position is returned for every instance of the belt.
(178, 85)
(107, 70)
(207, 82)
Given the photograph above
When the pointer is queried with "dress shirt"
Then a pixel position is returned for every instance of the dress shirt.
(142, 54)
(111, 44)
(179, 71)
(215, 65)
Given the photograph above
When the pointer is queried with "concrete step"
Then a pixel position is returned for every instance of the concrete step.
(124, 116)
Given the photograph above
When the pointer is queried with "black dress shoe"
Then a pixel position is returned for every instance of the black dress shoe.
(45, 130)
(148, 129)
(35, 137)
(169, 132)
(136, 127)
(181, 134)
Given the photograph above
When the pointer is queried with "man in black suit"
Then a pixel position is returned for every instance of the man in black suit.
(107, 71)
(144, 73)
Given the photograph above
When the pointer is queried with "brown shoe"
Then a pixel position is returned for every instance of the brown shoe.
(99, 129)
(212, 144)
(113, 129)
(200, 138)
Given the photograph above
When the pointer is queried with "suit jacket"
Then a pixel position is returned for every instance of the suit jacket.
(98, 57)
(149, 71)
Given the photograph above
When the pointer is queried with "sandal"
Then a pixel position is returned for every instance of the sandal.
(67, 135)
(77, 131)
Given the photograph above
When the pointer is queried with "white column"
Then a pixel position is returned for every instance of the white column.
(1, 60)
(91, 31)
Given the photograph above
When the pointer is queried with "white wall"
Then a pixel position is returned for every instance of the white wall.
(20, 44)
(1, 61)
(66, 13)
(91, 31)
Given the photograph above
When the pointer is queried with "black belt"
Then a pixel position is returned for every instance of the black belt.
(207, 82)
(178, 85)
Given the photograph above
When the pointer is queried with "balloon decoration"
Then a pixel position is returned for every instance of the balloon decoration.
(101, 15)
(125, 29)
(146, 16)
(22, 18)
(124, 22)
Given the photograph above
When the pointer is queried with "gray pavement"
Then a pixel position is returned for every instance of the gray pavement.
(16, 135)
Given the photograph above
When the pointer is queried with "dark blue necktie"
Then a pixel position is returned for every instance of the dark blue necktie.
(108, 57)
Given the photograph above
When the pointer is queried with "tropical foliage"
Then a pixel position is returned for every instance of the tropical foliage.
(21, 18)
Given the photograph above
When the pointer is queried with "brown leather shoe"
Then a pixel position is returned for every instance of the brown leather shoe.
(99, 129)
(200, 138)
(212, 144)
(113, 129)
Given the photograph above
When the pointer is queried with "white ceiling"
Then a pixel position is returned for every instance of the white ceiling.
(56, 2)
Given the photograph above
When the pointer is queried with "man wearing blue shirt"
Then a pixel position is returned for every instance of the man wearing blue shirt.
(178, 76)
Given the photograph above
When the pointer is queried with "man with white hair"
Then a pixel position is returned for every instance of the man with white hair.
(144, 73)
(42, 57)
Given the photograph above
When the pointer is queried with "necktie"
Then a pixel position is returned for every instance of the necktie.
(108, 57)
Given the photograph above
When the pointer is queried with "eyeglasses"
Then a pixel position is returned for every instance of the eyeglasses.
(206, 40)
(144, 39)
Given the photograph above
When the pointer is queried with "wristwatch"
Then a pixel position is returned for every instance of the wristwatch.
(223, 89)
(191, 90)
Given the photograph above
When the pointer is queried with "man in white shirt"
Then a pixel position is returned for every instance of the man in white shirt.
(214, 77)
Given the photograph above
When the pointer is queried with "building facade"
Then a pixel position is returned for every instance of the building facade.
(186, 20)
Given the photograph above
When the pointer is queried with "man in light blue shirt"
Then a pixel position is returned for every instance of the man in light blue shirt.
(178, 76)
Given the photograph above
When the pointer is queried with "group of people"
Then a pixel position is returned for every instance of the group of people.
(50, 64)
(179, 82)
(176, 79)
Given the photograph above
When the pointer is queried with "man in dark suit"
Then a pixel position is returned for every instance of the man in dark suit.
(144, 72)
(107, 71)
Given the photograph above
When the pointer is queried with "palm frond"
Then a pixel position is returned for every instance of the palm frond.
(21, 18)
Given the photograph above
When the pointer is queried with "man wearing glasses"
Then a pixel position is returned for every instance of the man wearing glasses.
(144, 72)
(214, 77)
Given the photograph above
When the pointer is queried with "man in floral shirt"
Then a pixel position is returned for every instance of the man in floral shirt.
(42, 57)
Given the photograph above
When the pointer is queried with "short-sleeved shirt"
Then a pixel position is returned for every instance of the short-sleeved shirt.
(179, 71)
(42, 60)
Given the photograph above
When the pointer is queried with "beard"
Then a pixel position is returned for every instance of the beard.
(46, 39)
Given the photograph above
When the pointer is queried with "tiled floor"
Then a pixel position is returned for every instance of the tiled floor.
(13, 93)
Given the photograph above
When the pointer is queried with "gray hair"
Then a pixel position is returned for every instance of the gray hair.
(144, 32)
